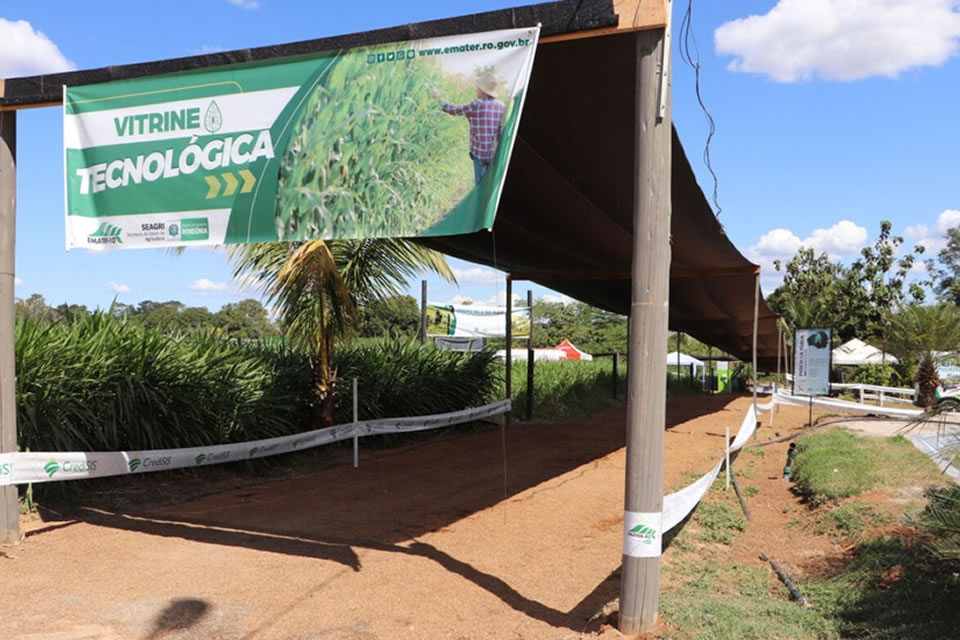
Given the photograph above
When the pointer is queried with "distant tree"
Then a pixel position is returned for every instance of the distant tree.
(920, 336)
(71, 312)
(589, 328)
(246, 319)
(35, 308)
(395, 317)
(854, 301)
(946, 276)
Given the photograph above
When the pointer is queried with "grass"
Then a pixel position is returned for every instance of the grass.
(849, 521)
(719, 522)
(568, 388)
(837, 464)
(888, 588)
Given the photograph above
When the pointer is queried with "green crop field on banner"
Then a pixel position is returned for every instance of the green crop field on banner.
(408, 139)
(476, 321)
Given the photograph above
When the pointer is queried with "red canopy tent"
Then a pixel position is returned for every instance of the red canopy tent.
(572, 352)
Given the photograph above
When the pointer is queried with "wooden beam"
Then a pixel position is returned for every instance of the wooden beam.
(550, 275)
(746, 270)
(635, 15)
(679, 272)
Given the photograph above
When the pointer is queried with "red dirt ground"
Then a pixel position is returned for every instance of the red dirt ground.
(424, 541)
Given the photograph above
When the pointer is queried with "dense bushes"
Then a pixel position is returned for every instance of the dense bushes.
(103, 384)
(401, 378)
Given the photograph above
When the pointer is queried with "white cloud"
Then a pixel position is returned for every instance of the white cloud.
(118, 288)
(459, 299)
(562, 299)
(933, 239)
(841, 40)
(17, 281)
(25, 51)
(777, 243)
(245, 4)
(841, 240)
(205, 49)
(204, 286)
(478, 275)
(500, 299)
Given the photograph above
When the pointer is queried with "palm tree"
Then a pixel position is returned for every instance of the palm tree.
(316, 286)
(923, 335)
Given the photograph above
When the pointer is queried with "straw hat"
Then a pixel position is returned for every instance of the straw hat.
(487, 83)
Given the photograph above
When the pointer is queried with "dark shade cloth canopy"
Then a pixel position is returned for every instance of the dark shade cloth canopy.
(565, 219)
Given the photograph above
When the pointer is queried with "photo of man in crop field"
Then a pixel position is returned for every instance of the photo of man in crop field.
(485, 115)
(374, 151)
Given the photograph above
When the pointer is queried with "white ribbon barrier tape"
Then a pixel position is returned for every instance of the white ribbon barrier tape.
(679, 504)
(843, 405)
(52, 466)
(871, 387)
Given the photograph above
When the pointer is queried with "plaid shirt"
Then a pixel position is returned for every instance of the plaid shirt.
(486, 118)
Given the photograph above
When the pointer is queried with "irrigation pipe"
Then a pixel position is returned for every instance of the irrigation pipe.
(743, 502)
(794, 592)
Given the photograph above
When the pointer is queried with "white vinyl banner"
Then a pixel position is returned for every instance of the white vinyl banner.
(812, 362)
(52, 466)
(473, 321)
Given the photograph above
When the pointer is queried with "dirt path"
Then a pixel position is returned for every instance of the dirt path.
(419, 542)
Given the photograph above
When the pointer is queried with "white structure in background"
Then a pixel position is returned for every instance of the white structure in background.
(685, 360)
(857, 352)
(563, 351)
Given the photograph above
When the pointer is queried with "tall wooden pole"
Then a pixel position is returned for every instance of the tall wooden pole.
(647, 368)
(423, 312)
(530, 357)
(9, 510)
(508, 375)
(756, 317)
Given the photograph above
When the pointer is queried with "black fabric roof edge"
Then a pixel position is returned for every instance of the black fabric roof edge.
(565, 16)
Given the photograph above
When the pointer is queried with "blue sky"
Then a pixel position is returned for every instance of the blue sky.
(831, 116)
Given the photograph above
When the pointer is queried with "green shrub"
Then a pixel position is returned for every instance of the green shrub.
(101, 383)
(883, 375)
(400, 378)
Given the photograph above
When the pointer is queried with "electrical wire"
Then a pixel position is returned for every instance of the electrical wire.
(690, 54)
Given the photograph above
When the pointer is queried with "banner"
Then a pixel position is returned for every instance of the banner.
(397, 140)
(53, 466)
(473, 321)
(812, 356)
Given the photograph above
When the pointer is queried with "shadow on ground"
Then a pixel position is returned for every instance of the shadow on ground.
(405, 493)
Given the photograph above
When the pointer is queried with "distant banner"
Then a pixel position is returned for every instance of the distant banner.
(471, 321)
(812, 354)
(409, 139)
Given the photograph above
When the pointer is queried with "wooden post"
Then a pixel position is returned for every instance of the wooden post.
(356, 419)
(649, 313)
(756, 317)
(9, 509)
(530, 357)
(508, 375)
(726, 457)
(423, 312)
(776, 385)
(616, 373)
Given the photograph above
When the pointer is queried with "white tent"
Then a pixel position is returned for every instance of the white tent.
(685, 360)
(857, 352)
